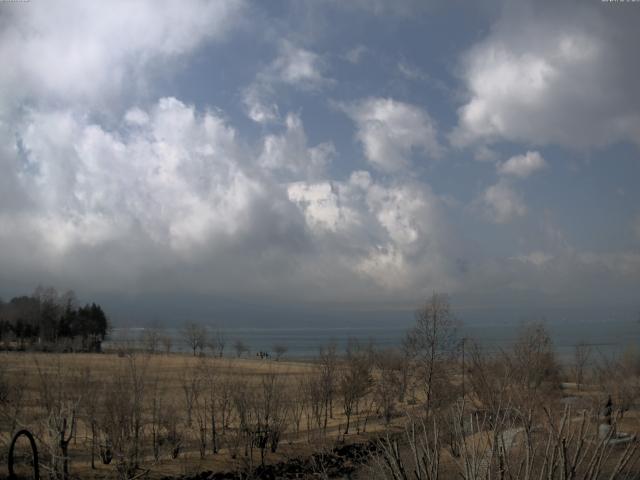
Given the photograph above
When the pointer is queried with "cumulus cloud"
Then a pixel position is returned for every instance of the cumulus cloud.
(319, 203)
(294, 66)
(174, 190)
(174, 175)
(553, 74)
(289, 151)
(501, 203)
(171, 201)
(91, 51)
(393, 235)
(522, 166)
(299, 67)
(105, 187)
(390, 131)
(258, 103)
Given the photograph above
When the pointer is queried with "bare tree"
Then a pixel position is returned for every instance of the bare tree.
(122, 416)
(242, 400)
(90, 389)
(213, 384)
(157, 411)
(195, 337)
(191, 384)
(535, 368)
(328, 363)
(424, 454)
(167, 343)
(61, 426)
(60, 399)
(581, 356)
(175, 437)
(316, 395)
(202, 410)
(619, 380)
(216, 343)
(270, 413)
(404, 366)
(354, 380)
(433, 341)
(225, 398)
(490, 378)
(240, 347)
(389, 364)
(279, 350)
(12, 392)
(565, 446)
(151, 337)
(298, 401)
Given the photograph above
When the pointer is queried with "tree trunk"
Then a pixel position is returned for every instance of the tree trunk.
(93, 445)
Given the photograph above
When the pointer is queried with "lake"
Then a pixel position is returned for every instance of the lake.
(608, 336)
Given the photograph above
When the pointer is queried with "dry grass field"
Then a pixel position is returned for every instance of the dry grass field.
(166, 404)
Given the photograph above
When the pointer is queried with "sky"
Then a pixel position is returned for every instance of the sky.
(309, 159)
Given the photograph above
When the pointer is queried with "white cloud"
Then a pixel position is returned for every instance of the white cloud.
(295, 67)
(411, 251)
(390, 131)
(176, 176)
(406, 213)
(289, 151)
(387, 266)
(299, 67)
(258, 105)
(522, 165)
(95, 51)
(355, 54)
(540, 75)
(502, 203)
(319, 203)
(174, 190)
(391, 235)
(536, 258)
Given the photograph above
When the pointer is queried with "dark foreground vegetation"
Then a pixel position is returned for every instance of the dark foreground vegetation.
(48, 321)
(436, 408)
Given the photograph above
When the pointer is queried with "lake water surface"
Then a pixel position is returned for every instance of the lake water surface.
(606, 337)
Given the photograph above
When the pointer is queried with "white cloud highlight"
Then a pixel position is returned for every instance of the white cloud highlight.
(299, 67)
(289, 151)
(522, 166)
(295, 67)
(176, 176)
(547, 74)
(391, 131)
(92, 51)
